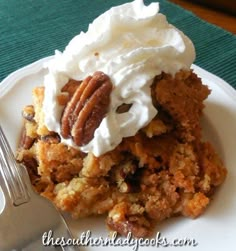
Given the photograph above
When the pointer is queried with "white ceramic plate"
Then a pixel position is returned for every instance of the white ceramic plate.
(215, 229)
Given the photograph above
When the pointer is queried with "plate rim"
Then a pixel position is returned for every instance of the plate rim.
(38, 66)
(9, 82)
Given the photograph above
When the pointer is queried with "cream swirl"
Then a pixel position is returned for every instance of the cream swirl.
(131, 43)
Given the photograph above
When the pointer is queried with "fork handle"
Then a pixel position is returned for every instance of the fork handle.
(10, 171)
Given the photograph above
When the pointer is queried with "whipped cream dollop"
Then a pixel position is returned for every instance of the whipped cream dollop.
(131, 43)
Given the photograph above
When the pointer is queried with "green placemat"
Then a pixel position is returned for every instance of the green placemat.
(33, 29)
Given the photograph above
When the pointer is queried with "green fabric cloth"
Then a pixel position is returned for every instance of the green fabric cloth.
(33, 29)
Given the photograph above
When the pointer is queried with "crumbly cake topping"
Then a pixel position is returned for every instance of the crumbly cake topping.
(164, 170)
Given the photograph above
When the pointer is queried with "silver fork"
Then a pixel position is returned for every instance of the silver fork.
(28, 222)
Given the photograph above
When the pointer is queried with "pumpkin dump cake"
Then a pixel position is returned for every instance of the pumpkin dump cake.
(116, 127)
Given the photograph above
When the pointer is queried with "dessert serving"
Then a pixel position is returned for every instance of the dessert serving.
(115, 128)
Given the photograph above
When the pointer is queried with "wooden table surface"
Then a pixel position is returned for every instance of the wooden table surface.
(219, 18)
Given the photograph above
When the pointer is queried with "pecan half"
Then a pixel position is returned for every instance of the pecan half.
(25, 141)
(28, 113)
(51, 138)
(86, 109)
(68, 88)
(123, 108)
(71, 87)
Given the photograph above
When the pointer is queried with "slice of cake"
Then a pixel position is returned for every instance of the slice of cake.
(116, 127)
